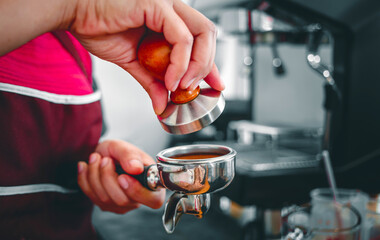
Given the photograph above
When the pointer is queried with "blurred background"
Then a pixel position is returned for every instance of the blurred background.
(301, 77)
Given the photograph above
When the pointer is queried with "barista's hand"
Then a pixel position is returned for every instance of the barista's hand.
(111, 192)
(113, 29)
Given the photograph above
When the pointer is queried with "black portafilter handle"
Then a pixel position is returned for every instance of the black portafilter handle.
(142, 177)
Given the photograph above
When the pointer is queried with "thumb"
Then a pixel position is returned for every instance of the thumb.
(155, 88)
(159, 96)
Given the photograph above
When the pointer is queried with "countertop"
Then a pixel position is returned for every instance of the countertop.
(145, 223)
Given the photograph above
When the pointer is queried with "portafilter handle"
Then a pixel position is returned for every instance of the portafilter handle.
(149, 178)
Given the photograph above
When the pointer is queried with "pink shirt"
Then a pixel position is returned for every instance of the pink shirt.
(49, 120)
(44, 64)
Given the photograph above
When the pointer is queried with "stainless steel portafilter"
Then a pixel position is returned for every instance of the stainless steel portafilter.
(192, 172)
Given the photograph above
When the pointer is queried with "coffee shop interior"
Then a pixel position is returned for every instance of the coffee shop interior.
(302, 112)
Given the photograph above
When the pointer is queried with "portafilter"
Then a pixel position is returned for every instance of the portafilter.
(192, 172)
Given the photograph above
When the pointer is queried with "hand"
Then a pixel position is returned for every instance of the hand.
(112, 31)
(119, 194)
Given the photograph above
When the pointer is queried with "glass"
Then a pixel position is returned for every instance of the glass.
(328, 221)
(353, 197)
(373, 218)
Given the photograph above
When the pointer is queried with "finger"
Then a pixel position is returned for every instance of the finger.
(203, 53)
(179, 61)
(213, 79)
(131, 158)
(108, 178)
(93, 177)
(217, 83)
(178, 35)
(138, 193)
(117, 209)
(83, 182)
(156, 89)
(124, 44)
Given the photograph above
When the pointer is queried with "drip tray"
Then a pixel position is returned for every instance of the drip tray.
(270, 176)
(259, 160)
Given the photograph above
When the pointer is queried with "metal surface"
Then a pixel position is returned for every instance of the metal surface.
(246, 131)
(194, 115)
(263, 160)
(277, 63)
(314, 59)
(153, 178)
(178, 204)
(263, 22)
(191, 179)
(196, 176)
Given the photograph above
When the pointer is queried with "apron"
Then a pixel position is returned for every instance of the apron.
(42, 137)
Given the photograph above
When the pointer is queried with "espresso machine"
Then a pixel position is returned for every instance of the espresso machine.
(280, 162)
(353, 131)
(350, 130)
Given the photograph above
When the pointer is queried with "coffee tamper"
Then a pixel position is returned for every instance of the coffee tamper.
(190, 111)
(192, 172)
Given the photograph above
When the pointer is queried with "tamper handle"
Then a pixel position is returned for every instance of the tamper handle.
(142, 177)
(181, 96)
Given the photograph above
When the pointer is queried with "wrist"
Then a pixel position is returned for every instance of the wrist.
(68, 14)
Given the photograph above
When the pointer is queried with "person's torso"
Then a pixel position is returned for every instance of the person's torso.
(50, 118)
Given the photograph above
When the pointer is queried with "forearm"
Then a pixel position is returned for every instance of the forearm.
(23, 20)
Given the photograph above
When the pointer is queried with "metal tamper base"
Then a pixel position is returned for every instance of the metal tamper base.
(194, 115)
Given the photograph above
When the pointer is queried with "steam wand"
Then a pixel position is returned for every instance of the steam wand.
(331, 90)
(314, 59)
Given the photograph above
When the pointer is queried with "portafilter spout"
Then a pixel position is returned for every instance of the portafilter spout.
(179, 203)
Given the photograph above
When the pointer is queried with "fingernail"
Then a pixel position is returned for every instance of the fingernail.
(104, 162)
(175, 86)
(136, 163)
(123, 182)
(190, 82)
(93, 158)
(80, 167)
